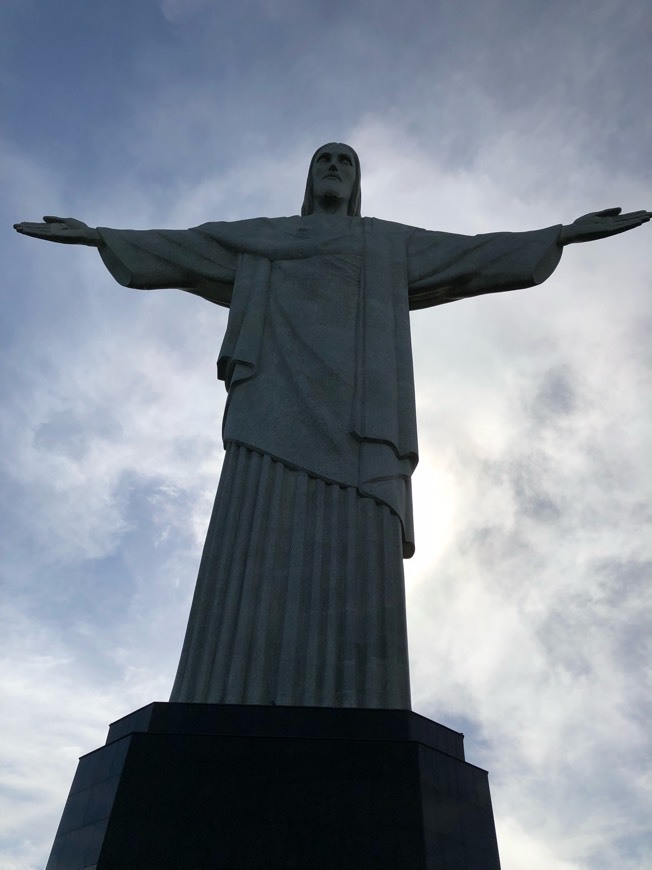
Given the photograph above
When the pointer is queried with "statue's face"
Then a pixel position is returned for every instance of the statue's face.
(333, 172)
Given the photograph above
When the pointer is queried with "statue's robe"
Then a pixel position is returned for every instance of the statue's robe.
(300, 596)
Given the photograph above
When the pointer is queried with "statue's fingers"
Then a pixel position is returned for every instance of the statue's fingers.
(634, 219)
(635, 215)
(624, 226)
(28, 227)
(608, 212)
(52, 219)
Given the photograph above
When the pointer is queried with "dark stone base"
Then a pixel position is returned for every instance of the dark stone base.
(221, 787)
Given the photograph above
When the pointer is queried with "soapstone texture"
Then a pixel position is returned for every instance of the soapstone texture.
(300, 597)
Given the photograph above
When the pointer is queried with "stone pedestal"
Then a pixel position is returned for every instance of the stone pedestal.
(206, 787)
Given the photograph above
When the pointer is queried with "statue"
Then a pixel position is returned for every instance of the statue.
(300, 596)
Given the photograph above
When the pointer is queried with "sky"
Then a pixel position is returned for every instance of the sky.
(529, 595)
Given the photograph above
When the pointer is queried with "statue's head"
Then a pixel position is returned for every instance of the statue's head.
(338, 165)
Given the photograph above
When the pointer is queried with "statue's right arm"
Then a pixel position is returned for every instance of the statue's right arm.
(66, 231)
(189, 260)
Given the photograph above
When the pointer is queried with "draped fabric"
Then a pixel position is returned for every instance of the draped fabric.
(300, 593)
(300, 596)
(317, 358)
(271, 271)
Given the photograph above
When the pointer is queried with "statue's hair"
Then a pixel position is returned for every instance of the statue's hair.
(353, 209)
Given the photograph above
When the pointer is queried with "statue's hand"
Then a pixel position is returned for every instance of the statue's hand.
(67, 231)
(600, 224)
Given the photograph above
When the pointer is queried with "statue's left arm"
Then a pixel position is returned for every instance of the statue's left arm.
(444, 267)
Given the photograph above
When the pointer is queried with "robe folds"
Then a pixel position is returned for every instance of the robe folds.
(317, 363)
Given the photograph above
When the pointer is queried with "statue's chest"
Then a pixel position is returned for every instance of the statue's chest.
(326, 285)
(313, 307)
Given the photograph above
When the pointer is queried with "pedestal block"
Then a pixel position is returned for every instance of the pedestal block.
(222, 787)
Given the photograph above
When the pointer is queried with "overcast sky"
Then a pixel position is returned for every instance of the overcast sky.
(529, 594)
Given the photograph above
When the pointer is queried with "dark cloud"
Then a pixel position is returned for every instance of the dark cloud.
(556, 396)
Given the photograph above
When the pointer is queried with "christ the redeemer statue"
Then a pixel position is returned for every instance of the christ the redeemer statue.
(300, 598)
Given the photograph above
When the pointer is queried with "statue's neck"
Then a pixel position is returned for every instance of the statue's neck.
(331, 205)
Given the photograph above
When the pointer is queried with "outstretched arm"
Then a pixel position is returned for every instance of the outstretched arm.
(151, 259)
(66, 231)
(443, 267)
(600, 224)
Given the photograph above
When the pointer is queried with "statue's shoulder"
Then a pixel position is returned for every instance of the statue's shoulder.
(243, 233)
(390, 228)
(269, 232)
(242, 226)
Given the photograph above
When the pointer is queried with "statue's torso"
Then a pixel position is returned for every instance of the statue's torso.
(302, 391)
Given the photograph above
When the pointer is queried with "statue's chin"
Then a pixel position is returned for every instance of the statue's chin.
(330, 200)
(331, 194)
